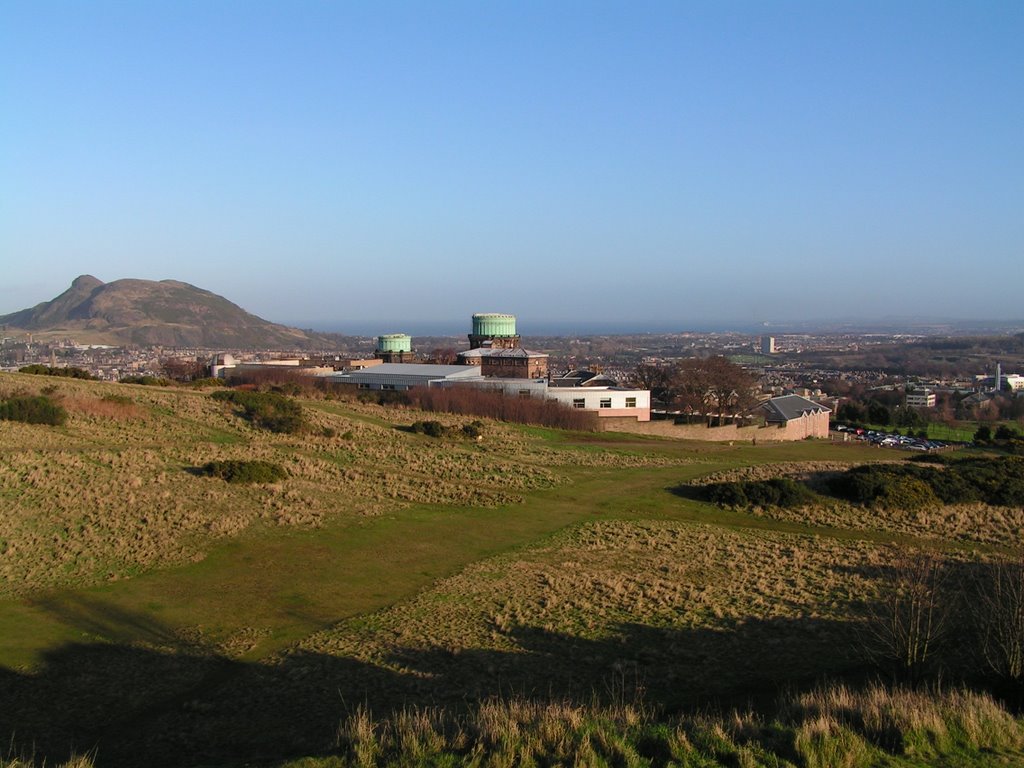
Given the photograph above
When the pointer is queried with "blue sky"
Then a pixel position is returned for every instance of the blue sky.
(336, 164)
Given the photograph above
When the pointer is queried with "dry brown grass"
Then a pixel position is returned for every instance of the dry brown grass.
(1003, 526)
(974, 522)
(102, 408)
(717, 603)
(109, 494)
(800, 470)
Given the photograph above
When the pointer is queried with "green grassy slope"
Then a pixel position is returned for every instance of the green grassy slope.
(175, 619)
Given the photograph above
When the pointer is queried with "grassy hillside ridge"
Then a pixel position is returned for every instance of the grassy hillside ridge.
(109, 494)
(155, 616)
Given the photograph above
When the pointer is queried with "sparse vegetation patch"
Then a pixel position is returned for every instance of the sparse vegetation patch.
(266, 410)
(148, 381)
(431, 428)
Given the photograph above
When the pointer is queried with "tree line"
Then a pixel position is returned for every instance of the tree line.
(708, 388)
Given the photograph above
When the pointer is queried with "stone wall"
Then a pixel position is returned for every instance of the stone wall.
(815, 425)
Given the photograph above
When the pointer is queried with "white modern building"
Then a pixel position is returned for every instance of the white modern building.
(604, 399)
(920, 398)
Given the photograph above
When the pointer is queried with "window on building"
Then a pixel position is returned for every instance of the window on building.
(606, 402)
(579, 402)
(631, 402)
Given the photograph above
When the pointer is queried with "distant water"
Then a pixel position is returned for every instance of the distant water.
(523, 326)
(530, 327)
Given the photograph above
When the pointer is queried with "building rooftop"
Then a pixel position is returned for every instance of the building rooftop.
(408, 374)
(493, 352)
(790, 407)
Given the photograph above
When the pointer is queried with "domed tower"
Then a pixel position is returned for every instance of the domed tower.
(494, 330)
(394, 348)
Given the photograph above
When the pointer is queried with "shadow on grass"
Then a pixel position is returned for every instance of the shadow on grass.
(169, 701)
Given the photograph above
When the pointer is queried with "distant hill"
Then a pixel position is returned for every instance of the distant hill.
(149, 312)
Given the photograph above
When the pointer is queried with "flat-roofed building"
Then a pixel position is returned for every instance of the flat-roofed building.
(920, 398)
(403, 376)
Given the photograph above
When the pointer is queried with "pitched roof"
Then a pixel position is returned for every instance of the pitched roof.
(791, 407)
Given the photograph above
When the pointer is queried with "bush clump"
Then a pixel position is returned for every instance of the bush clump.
(777, 492)
(69, 372)
(998, 481)
(148, 381)
(33, 409)
(271, 411)
(429, 428)
(474, 430)
(236, 471)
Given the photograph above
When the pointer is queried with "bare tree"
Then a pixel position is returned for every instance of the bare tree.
(998, 610)
(713, 383)
(443, 355)
(693, 387)
(656, 378)
(910, 621)
(184, 368)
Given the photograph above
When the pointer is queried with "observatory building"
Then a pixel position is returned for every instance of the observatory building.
(394, 348)
(495, 346)
(494, 330)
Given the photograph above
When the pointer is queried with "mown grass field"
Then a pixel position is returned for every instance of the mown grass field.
(149, 615)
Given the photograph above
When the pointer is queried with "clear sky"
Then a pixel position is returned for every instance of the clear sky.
(335, 164)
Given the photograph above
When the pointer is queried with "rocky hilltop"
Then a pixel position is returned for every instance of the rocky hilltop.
(150, 312)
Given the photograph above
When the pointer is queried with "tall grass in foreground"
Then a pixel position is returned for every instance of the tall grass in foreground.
(79, 761)
(827, 727)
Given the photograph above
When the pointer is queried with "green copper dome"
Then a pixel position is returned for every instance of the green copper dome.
(394, 342)
(494, 324)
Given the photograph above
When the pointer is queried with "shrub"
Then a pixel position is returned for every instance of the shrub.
(727, 494)
(235, 471)
(207, 381)
(893, 487)
(777, 492)
(46, 370)
(148, 381)
(33, 409)
(991, 480)
(266, 410)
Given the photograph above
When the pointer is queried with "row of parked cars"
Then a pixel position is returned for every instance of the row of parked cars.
(890, 440)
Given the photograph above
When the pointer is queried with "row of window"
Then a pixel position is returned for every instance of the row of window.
(606, 402)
